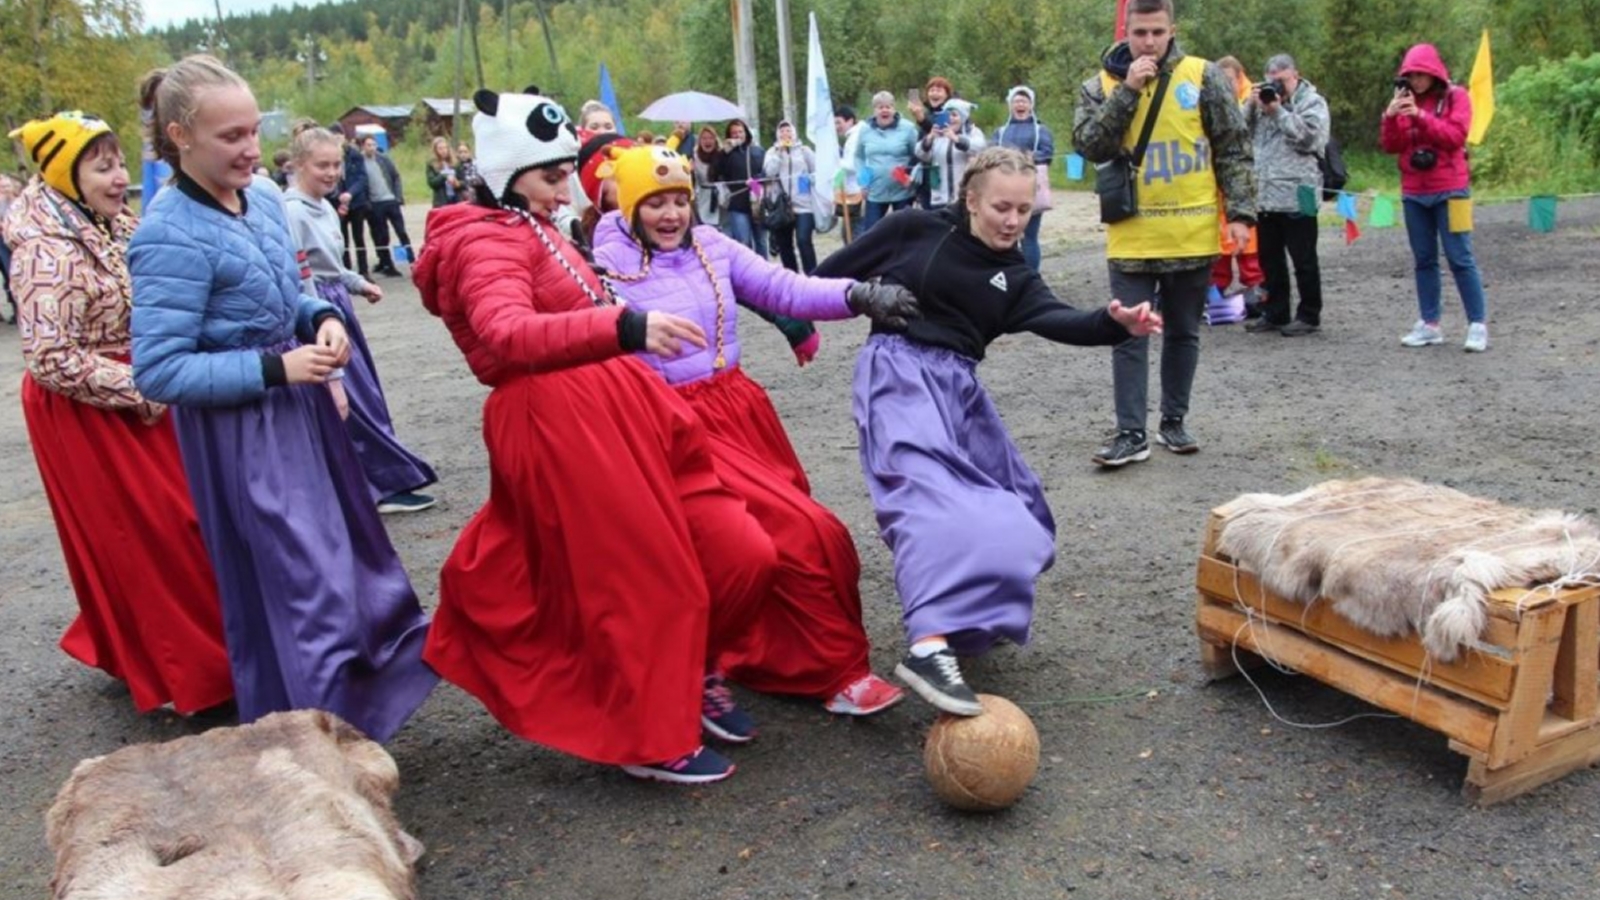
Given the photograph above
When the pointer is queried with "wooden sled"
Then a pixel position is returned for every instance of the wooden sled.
(1521, 706)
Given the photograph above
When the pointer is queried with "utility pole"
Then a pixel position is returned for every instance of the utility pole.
(505, 13)
(744, 64)
(477, 58)
(550, 47)
(455, 102)
(786, 66)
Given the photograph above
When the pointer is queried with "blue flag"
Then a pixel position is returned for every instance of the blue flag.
(608, 96)
(1347, 206)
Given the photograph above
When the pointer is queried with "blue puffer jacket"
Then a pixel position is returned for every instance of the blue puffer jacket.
(212, 293)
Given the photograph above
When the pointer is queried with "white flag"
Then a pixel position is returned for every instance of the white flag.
(819, 129)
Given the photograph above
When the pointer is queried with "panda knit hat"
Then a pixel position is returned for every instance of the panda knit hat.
(513, 133)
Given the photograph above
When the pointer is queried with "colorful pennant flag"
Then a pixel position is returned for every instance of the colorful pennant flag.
(1542, 214)
(1382, 213)
(1074, 167)
(1351, 232)
(1480, 87)
(608, 96)
(1122, 20)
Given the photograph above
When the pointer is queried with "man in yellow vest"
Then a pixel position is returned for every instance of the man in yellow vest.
(1198, 154)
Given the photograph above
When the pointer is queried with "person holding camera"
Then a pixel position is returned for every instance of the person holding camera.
(1426, 127)
(1289, 122)
(1183, 113)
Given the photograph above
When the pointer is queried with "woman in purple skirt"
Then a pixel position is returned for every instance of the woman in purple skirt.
(317, 610)
(394, 472)
(963, 515)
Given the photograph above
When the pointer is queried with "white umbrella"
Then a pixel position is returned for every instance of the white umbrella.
(691, 106)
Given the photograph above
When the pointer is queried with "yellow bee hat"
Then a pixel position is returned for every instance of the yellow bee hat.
(644, 171)
(54, 145)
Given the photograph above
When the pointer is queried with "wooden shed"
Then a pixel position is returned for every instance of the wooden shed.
(392, 119)
(437, 112)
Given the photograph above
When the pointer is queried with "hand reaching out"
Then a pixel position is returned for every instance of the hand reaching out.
(372, 292)
(665, 334)
(1139, 320)
(886, 304)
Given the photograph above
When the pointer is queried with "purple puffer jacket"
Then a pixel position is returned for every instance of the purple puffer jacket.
(678, 284)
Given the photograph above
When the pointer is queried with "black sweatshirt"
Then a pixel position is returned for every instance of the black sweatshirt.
(970, 294)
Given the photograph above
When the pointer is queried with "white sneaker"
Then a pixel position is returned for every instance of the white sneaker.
(1477, 338)
(1423, 335)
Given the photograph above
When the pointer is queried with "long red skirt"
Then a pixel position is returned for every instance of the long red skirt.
(583, 602)
(147, 599)
(808, 639)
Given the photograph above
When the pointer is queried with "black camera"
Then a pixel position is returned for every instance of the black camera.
(1401, 83)
(1269, 91)
(1423, 159)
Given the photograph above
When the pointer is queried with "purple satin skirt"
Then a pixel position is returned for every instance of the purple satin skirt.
(316, 607)
(390, 467)
(963, 515)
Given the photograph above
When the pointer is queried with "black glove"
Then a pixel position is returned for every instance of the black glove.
(886, 304)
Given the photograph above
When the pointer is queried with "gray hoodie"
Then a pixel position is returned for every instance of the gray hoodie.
(314, 225)
(1287, 146)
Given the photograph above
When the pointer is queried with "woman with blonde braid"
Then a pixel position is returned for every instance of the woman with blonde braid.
(964, 516)
(808, 639)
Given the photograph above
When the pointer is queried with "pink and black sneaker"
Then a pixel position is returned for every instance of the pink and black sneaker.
(721, 716)
(701, 766)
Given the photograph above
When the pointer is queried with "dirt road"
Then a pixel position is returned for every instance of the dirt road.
(1152, 785)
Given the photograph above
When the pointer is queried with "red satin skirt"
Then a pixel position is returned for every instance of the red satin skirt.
(808, 638)
(148, 612)
(584, 603)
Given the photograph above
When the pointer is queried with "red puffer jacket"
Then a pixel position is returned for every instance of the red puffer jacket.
(1444, 116)
(510, 305)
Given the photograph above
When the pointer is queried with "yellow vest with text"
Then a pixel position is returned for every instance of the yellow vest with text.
(1176, 187)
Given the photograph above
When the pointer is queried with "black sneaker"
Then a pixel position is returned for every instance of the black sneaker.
(1173, 437)
(1298, 328)
(1127, 446)
(937, 679)
(1263, 325)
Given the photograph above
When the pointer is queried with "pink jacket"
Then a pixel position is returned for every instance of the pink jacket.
(677, 283)
(1444, 116)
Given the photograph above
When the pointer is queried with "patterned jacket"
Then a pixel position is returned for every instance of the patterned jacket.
(678, 284)
(70, 277)
(1101, 123)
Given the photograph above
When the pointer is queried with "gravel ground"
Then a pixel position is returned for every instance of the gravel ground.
(1152, 783)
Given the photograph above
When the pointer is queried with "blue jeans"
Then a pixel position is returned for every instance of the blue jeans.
(876, 211)
(805, 225)
(1030, 241)
(742, 228)
(1428, 225)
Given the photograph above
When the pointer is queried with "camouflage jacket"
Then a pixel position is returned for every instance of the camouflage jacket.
(1102, 122)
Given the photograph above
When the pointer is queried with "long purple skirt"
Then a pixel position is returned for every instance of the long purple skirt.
(963, 515)
(390, 467)
(316, 607)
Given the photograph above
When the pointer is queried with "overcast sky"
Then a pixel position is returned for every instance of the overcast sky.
(158, 13)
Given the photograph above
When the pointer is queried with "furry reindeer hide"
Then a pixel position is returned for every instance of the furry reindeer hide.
(292, 807)
(1397, 556)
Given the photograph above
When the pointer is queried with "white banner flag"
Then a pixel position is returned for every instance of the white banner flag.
(819, 130)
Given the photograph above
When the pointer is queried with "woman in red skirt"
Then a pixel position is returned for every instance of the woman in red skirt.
(585, 601)
(147, 598)
(808, 641)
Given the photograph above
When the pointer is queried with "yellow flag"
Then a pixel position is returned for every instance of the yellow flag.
(1481, 88)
